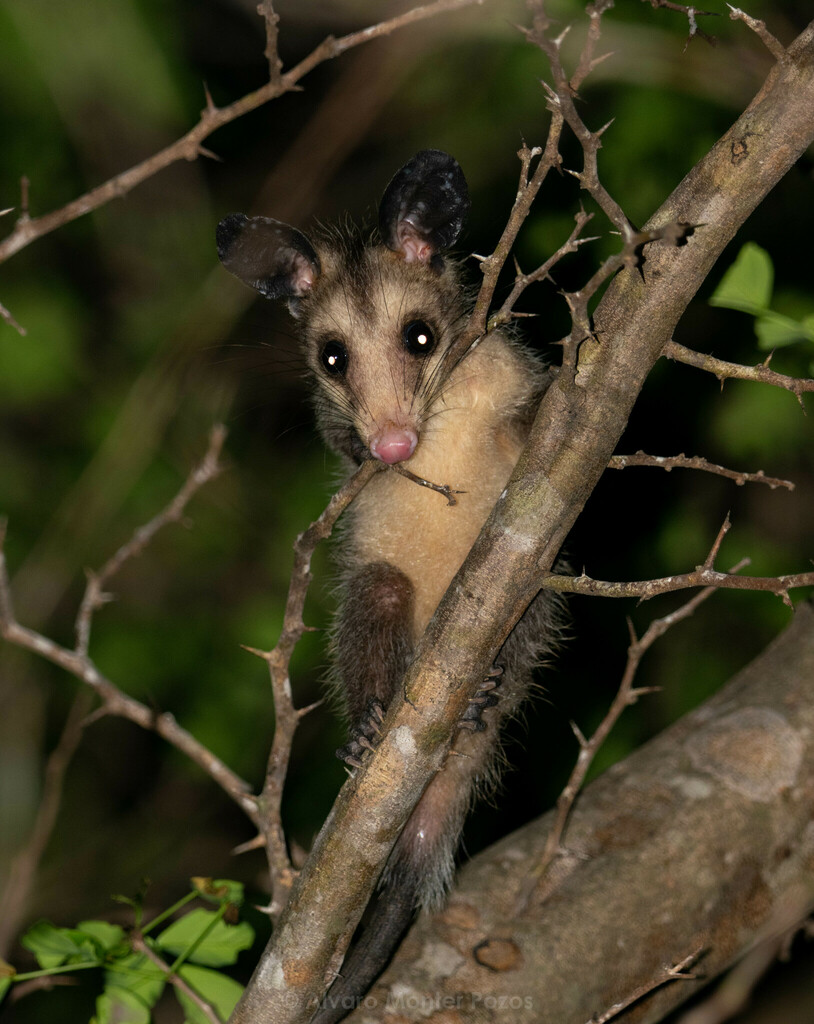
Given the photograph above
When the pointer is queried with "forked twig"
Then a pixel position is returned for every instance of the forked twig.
(94, 597)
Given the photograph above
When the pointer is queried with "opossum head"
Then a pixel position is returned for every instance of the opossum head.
(376, 318)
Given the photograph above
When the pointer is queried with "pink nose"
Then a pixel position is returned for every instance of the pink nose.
(394, 445)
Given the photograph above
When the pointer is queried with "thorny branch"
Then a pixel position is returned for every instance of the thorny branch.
(24, 867)
(287, 716)
(682, 461)
(733, 994)
(734, 371)
(626, 696)
(670, 972)
(188, 147)
(79, 664)
(691, 13)
(702, 576)
(95, 597)
(530, 183)
(777, 50)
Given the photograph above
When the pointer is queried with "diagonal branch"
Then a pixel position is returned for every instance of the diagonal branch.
(94, 597)
(189, 146)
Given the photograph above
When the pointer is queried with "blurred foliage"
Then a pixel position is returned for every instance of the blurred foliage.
(136, 341)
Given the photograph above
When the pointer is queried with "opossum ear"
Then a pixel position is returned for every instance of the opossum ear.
(423, 208)
(268, 255)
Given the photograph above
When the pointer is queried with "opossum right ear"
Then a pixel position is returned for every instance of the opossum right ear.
(268, 255)
(424, 207)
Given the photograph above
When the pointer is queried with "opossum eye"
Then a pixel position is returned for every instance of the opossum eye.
(335, 358)
(418, 338)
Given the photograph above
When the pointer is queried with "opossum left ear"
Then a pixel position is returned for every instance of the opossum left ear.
(424, 207)
(268, 255)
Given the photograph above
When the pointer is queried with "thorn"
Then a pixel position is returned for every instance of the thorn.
(478, 257)
(561, 37)
(203, 151)
(598, 134)
(253, 844)
(210, 103)
(579, 734)
(8, 209)
(265, 655)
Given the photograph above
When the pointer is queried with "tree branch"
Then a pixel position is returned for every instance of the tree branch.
(734, 371)
(189, 146)
(682, 461)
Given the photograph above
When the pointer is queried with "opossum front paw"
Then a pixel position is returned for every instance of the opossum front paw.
(366, 736)
(484, 697)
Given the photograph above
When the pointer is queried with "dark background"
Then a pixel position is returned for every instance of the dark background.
(137, 341)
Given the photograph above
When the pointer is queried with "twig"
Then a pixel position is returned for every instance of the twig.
(189, 146)
(443, 489)
(94, 596)
(6, 315)
(206, 1008)
(266, 10)
(24, 867)
(530, 183)
(561, 99)
(701, 577)
(287, 717)
(522, 281)
(115, 702)
(724, 370)
(682, 461)
(674, 972)
(732, 995)
(776, 48)
(690, 13)
(626, 696)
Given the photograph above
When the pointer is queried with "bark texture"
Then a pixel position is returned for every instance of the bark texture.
(701, 840)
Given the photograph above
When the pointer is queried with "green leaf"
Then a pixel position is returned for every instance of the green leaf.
(221, 946)
(747, 285)
(120, 1006)
(7, 973)
(775, 330)
(219, 990)
(56, 946)
(220, 890)
(138, 975)
(107, 936)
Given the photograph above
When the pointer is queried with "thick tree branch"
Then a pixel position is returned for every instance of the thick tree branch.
(631, 893)
(576, 430)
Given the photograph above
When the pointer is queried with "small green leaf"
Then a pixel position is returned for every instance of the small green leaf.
(747, 285)
(219, 990)
(106, 935)
(138, 975)
(56, 946)
(120, 1006)
(220, 890)
(221, 946)
(775, 330)
(7, 973)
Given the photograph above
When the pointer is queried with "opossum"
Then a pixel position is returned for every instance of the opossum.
(376, 317)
